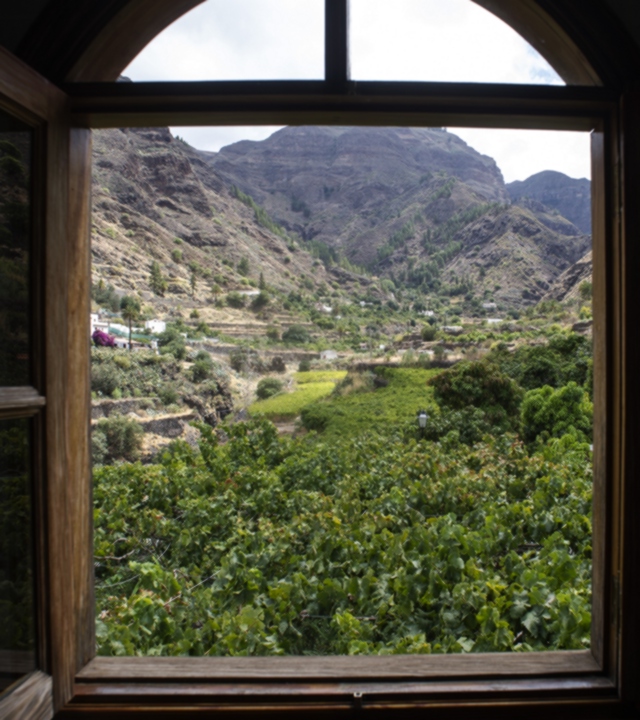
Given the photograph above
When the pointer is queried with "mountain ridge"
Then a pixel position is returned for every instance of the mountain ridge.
(416, 206)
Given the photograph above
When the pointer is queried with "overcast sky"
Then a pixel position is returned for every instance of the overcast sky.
(451, 40)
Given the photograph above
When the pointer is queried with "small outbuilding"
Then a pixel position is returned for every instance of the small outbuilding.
(328, 355)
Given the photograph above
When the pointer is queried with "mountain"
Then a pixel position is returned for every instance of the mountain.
(154, 200)
(308, 206)
(567, 285)
(353, 188)
(570, 197)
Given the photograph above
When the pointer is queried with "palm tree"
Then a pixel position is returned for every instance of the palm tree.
(130, 311)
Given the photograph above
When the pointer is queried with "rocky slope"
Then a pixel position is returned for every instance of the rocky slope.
(417, 206)
(567, 285)
(515, 254)
(570, 197)
(353, 188)
(154, 200)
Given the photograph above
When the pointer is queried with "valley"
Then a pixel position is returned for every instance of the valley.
(361, 236)
(284, 311)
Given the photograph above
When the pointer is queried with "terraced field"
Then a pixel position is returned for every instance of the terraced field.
(310, 386)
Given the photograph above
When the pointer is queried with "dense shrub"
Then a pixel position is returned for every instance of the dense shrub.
(566, 358)
(236, 300)
(552, 413)
(270, 546)
(173, 343)
(304, 366)
(273, 333)
(482, 385)
(245, 359)
(296, 335)
(168, 394)
(268, 387)
(105, 378)
(243, 266)
(260, 301)
(106, 296)
(428, 333)
(202, 368)
(277, 364)
(121, 439)
(316, 416)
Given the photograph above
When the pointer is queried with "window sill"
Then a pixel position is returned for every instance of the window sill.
(569, 683)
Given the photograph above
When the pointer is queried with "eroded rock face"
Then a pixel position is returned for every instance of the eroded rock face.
(514, 252)
(418, 206)
(156, 199)
(570, 197)
(349, 187)
(567, 285)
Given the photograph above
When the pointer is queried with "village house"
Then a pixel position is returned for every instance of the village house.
(328, 355)
(156, 326)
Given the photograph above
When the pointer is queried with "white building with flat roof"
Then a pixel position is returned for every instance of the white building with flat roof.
(156, 326)
(328, 355)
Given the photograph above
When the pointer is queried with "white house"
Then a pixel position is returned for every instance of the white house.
(156, 326)
(97, 324)
(489, 306)
(494, 321)
(328, 355)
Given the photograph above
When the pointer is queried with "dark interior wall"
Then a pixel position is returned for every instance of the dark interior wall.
(628, 11)
(17, 17)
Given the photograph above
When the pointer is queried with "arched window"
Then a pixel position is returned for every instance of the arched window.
(562, 683)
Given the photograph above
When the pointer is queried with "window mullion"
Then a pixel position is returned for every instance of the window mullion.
(336, 39)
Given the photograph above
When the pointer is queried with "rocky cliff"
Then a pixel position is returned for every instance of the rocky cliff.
(415, 205)
(569, 197)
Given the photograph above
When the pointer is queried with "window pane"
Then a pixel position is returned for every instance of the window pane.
(17, 637)
(320, 288)
(241, 40)
(15, 207)
(432, 40)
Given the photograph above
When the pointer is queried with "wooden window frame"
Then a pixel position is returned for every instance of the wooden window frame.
(596, 683)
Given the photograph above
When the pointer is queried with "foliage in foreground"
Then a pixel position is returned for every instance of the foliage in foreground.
(271, 546)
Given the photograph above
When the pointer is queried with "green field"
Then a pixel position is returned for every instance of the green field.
(318, 376)
(373, 406)
(287, 406)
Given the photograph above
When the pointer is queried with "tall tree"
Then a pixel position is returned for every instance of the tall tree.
(157, 282)
(130, 311)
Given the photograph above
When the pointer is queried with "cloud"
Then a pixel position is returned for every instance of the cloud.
(522, 153)
(432, 40)
(239, 40)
